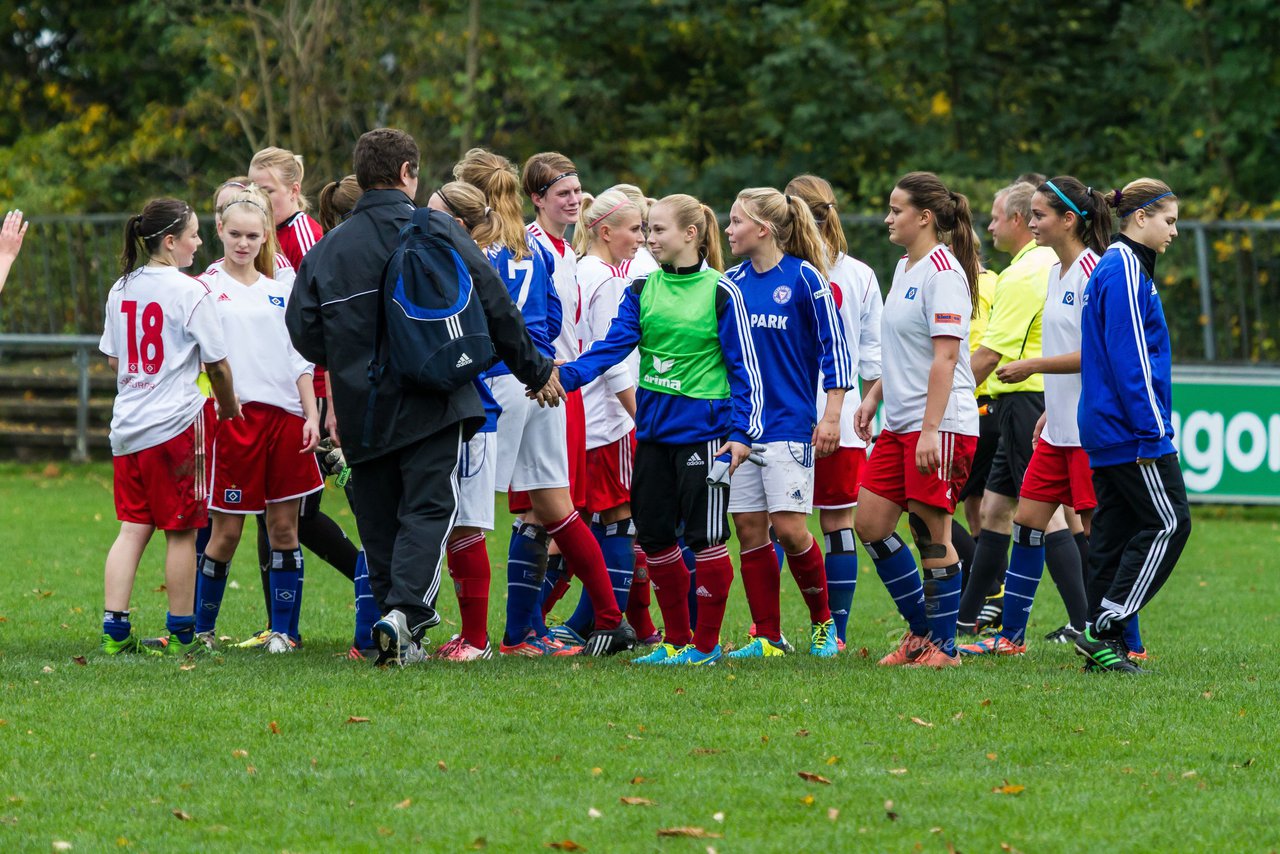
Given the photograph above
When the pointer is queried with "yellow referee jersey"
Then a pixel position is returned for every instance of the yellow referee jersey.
(1014, 328)
(978, 326)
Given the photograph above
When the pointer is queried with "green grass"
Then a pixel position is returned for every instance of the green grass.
(512, 755)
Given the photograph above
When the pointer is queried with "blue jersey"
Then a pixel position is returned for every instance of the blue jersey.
(673, 418)
(796, 330)
(491, 408)
(534, 292)
(1126, 365)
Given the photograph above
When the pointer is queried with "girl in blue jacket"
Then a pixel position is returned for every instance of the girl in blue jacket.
(1142, 521)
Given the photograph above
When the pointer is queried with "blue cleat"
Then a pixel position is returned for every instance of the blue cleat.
(692, 656)
(660, 653)
(566, 635)
(822, 640)
(759, 648)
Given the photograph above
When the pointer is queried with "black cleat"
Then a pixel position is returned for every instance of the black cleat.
(1064, 635)
(1104, 654)
(610, 641)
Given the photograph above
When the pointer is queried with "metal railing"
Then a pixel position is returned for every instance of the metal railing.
(1220, 281)
(81, 346)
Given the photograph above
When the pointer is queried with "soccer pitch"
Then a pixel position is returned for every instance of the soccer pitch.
(312, 752)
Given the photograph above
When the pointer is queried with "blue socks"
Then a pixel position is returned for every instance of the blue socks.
(1026, 566)
(942, 605)
(896, 567)
(183, 628)
(366, 608)
(116, 625)
(526, 568)
(842, 576)
(211, 584)
(286, 568)
(616, 540)
(1133, 637)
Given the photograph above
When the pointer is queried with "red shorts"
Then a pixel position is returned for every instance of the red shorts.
(164, 486)
(1058, 475)
(891, 470)
(609, 474)
(576, 434)
(256, 461)
(836, 478)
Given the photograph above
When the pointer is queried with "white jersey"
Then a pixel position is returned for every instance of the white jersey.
(161, 324)
(931, 300)
(1061, 334)
(858, 301)
(640, 266)
(264, 365)
(602, 287)
(284, 270)
(569, 341)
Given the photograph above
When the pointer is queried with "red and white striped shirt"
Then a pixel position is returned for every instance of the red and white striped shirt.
(565, 275)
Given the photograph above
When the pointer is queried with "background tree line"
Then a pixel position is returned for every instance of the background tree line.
(107, 104)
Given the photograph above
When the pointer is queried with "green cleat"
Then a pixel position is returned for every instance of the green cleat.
(202, 644)
(129, 646)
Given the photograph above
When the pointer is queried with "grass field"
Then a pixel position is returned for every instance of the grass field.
(249, 752)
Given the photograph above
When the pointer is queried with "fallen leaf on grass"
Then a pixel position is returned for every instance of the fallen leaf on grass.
(864, 653)
(240, 754)
(405, 804)
(704, 751)
(181, 816)
(1009, 789)
(46, 669)
(679, 690)
(385, 831)
(274, 727)
(1245, 764)
(61, 845)
(991, 756)
(80, 660)
(1186, 775)
(920, 722)
(898, 771)
(250, 770)
(985, 703)
(187, 666)
(356, 719)
(441, 766)
(594, 813)
(479, 844)
(1009, 849)
(832, 760)
(565, 845)
(597, 771)
(1208, 695)
(635, 781)
(636, 802)
(718, 817)
(813, 778)
(159, 589)
(690, 832)
(801, 733)
(833, 814)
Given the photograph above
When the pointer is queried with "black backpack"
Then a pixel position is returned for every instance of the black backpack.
(432, 331)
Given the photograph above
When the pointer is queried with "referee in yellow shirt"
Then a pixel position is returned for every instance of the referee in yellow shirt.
(1012, 333)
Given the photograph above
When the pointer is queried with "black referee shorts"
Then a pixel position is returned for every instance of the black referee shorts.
(669, 493)
(988, 438)
(1016, 415)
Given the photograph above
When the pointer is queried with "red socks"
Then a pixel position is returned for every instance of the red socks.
(582, 552)
(761, 577)
(715, 576)
(469, 568)
(811, 576)
(638, 599)
(670, 579)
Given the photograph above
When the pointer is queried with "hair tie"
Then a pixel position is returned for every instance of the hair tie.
(788, 198)
(487, 209)
(1116, 197)
(244, 202)
(186, 211)
(602, 216)
(1065, 200)
(1148, 203)
(1088, 191)
(829, 205)
(542, 191)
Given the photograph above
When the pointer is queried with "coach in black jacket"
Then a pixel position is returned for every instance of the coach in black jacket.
(403, 471)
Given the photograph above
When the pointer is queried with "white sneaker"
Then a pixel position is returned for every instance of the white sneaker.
(278, 643)
(412, 654)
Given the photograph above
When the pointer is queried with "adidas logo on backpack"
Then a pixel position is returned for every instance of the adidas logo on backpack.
(463, 361)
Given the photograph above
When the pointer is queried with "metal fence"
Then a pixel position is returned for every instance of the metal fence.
(1220, 281)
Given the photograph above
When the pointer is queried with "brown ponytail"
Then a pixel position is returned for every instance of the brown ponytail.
(952, 222)
(1143, 194)
(336, 201)
(145, 232)
(817, 194)
(1094, 228)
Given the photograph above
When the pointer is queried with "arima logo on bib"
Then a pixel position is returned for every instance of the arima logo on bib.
(782, 294)
(662, 365)
(231, 496)
(278, 302)
(911, 292)
(1069, 298)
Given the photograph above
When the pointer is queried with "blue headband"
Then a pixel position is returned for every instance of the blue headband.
(1066, 201)
(1148, 203)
